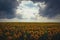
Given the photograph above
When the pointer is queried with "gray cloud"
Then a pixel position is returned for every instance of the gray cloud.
(7, 8)
(19, 16)
(52, 8)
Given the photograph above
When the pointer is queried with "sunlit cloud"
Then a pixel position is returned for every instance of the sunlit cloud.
(27, 9)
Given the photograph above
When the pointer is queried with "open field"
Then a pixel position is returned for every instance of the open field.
(29, 31)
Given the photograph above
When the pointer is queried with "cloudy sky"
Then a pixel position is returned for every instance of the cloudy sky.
(29, 10)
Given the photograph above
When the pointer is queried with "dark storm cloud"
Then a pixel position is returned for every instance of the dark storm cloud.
(52, 8)
(7, 8)
(37, 0)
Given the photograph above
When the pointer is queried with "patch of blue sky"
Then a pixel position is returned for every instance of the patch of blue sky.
(30, 5)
